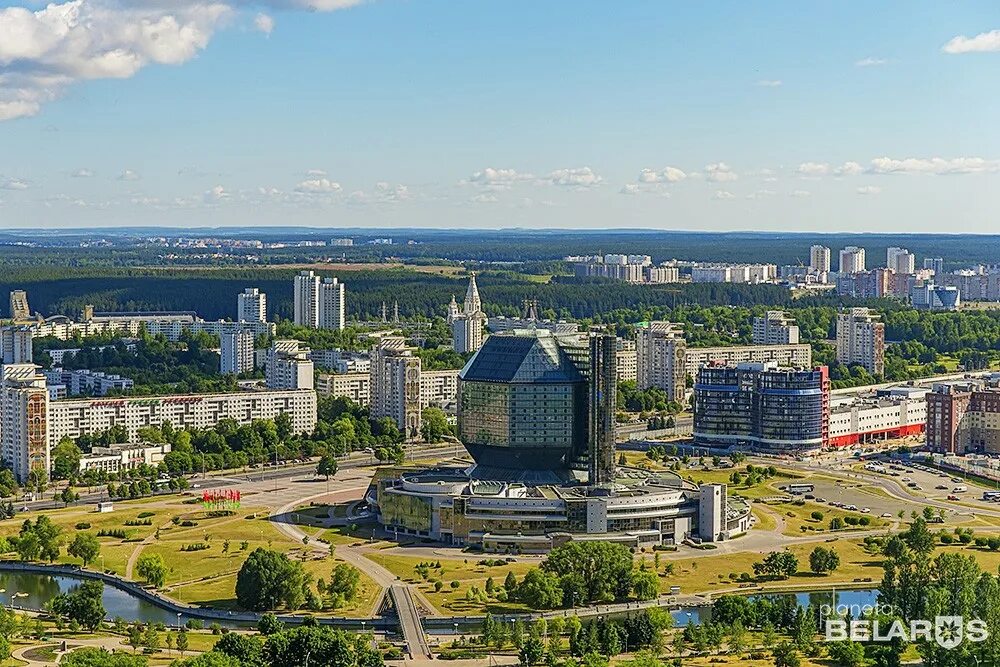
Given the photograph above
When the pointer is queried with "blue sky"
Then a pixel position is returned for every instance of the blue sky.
(820, 116)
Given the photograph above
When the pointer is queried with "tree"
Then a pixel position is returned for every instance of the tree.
(153, 569)
(325, 648)
(269, 625)
(786, 656)
(823, 560)
(90, 656)
(594, 570)
(645, 584)
(510, 582)
(344, 582)
(434, 425)
(83, 605)
(532, 651)
(777, 565)
(269, 579)
(247, 649)
(65, 459)
(327, 466)
(68, 496)
(846, 653)
(182, 641)
(211, 658)
(540, 590)
(84, 546)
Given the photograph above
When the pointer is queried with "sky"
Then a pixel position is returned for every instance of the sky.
(800, 116)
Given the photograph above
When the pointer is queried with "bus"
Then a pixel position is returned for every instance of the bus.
(991, 496)
(800, 488)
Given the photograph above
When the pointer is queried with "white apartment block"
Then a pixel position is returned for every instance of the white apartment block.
(852, 260)
(785, 356)
(819, 259)
(332, 304)
(319, 303)
(24, 421)
(116, 458)
(75, 417)
(355, 386)
(288, 366)
(439, 389)
(734, 273)
(236, 355)
(776, 327)
(861, 339)
(170, 325)
(15, 345)
(660, 350)
(306, 300)
(251, 306)
(19, 309)
(77, 382)
(626, 361)
(395, 384)
(900, 260)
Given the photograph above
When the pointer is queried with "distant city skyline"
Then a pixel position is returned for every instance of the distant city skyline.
(384, 114)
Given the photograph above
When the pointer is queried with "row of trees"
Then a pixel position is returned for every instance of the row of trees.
(270, 580)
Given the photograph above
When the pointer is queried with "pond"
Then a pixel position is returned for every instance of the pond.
(859, 598)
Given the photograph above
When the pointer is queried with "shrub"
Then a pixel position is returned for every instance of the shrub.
(197, 546)
(83, 525)
(146, 515)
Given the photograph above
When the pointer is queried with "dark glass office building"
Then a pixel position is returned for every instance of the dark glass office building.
(761, 406)
(523, 402)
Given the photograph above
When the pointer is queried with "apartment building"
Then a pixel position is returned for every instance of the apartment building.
(288, 366)
(395, 384)
(776, 327)
(236, 354)
(251, 306)
(861, 339)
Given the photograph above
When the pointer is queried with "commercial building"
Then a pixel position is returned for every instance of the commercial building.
(660, 358)
(603, 404)
(116, 458)
(15, 344)
(73, 418)
(776, 327)
(468, 327)
(236, 354)
(762, 406)
(288, 366)
(896, 412)
(395, 384)
(819, 259)
(935, 297)
(318, 303)
(24, 422)
(80, 382)
(19, 309)
(861, 339)
(852, 260)
(251, 306)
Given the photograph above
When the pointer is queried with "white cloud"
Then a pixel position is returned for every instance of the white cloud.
(14, 184)
(43, 52)
(814, 169)
(629, 189)
(849, 169)
(318, 186)
(263, 23)
(761, 194)
(720, 172)
(497, 179)
(578, 177)
(316, 173)
(128, 175)
(870, 62)
(387, 192)
(934, 165)
(82, 173)
(982, 43)
(216, 194)
(665, 175)
(723, 194)
(769, 83)
(800, 194)
(869, 190)
(485, 198)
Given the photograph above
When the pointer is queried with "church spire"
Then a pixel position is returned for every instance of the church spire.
(472, 303)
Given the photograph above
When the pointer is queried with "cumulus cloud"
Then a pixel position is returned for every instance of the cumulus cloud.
(800, 194)
(216, 194)
(43, 52)
(497, 179)
(315, 173)
(934, 165)
(870, 62)
(318, 186)
(82, 173)
(485, 198)
(629, 189)
(849, 169)
(13, 184)
(263, 23)
(720, 172)
(769, 83)
(665, 175)
(761, 194)
(869, 190)
(813, 169)
(128, 175)
(578, 177)
(723, 194)
(982, 43)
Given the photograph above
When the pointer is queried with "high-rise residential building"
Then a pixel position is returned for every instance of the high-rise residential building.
(627, 360)
(395, 384)
(861, 339)
(964, 416)
(900, 260)
(762, 406)
(332, 304)
(251, 306)
(289, 366)
(852, 259)
(660, 358)
(15, 345)
(319, 303)
(24, 422)
(468, 327)
(603, 406)
(935, 264)
(19, 309)
(819, 259)
(237, 353)
(306, 300)
(776, 327)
